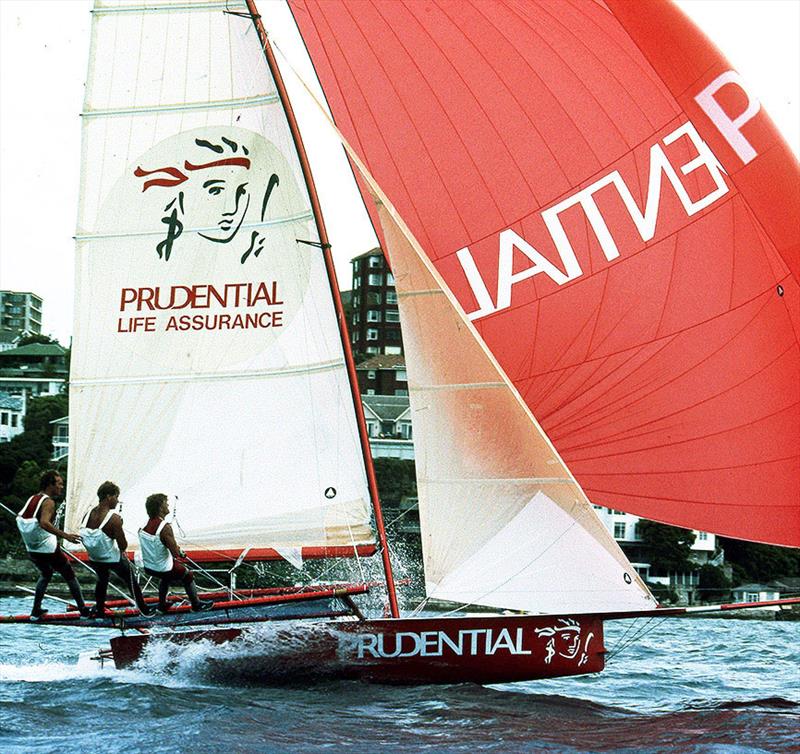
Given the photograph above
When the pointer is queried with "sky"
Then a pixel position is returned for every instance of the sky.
(43, 64)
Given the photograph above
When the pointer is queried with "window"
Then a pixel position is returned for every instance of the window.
(751, 597)
(373, 297)
(14, 420)
(393, 316)
(389, 278)
(619, 530)
(597, 507)
(356, 300)
(372, 334)
(357, 281)
(375, 279)
(375, 262)
(618, 513)
(370, 391)
(401, 376)
(356, 317)
(636, 535)
(355, 337)
(391, 297)
(371, 374)
(373, 315)
(356, 265)
(400, 391)
(702, 536)
(372, 349)
(394, 350)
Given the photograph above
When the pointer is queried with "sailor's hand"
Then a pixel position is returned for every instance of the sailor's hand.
(181, 554)
(74, 538)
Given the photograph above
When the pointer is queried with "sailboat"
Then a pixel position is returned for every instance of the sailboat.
(592, 228)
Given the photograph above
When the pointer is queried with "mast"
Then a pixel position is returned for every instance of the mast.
(337, 302)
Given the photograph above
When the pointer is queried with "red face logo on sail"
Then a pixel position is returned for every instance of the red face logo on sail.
(216, 205)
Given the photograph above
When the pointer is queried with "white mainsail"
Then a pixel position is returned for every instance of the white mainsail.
(207, 361)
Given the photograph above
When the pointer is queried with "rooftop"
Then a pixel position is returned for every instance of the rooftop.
(35, 349)
(371, 253)
(383, 361)
(386, 407)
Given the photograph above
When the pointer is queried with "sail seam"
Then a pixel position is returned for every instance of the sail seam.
(459, 386)
(426, 292)
(501, 480)
(180, 7)
(212, 376)
(226, 104)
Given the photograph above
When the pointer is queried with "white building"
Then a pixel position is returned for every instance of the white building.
(12, 415)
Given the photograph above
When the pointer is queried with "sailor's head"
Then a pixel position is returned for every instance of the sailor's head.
(51, 483)
(157, 505)
(108, 493)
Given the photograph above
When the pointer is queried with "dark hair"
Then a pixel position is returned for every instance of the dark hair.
(47, 478)
(153, 503)
(106, 489)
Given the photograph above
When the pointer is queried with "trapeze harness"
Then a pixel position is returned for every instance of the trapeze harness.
(35, 538)
(101, 547)
(155, 555)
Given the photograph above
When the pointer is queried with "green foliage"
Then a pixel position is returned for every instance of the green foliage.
(714, 585)
(668, 547)
(396, 478)
(663, 593)
(26, 480)
(44, 409)
(760, 563)
(34, 338)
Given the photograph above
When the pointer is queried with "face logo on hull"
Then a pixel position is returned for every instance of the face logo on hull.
(564, 640)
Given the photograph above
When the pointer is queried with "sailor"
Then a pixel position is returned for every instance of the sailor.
(104, 540)
(35, 524)
(160, 553)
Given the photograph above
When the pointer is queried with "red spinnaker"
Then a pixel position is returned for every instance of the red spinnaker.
(640, 290)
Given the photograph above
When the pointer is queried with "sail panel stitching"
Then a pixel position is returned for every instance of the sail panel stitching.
(223, 104)
(171, 8)
(459, 386)
(212, 376)
(500, 480)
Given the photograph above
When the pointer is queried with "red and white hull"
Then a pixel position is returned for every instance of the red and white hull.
(489, 649)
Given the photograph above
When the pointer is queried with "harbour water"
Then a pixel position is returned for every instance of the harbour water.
(671, 685)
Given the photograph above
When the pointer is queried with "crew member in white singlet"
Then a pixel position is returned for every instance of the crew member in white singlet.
(160, 554)
(40, 535)
(105, 541)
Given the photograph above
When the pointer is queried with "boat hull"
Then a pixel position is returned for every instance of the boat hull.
(485, 649)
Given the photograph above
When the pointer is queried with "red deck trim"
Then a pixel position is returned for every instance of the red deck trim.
(215, 556)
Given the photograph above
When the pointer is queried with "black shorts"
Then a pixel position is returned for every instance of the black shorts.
(47, 562)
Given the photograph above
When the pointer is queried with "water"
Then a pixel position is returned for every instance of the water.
(685, 686)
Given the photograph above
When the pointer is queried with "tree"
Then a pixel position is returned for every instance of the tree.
(36, 338)
(757, 562)
(668, 547)
(713, 583)
(26, 480)
(396, 478)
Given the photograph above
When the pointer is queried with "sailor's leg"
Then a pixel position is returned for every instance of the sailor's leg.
(45, 574)
(125, 571)
(163, 591)
(61, 564)
(191, 592)
(101, 588)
